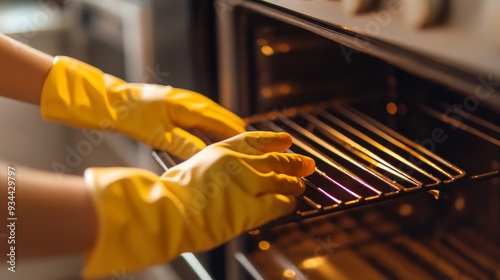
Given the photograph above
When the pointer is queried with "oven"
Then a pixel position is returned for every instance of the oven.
(398, 102)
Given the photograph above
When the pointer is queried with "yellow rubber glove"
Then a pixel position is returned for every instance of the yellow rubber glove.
(227, 188)
(78, 94)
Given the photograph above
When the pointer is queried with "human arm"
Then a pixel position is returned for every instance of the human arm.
(22, 70)
(55, 213)
(79, 95)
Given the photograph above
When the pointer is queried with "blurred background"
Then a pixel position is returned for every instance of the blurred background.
(167, 42)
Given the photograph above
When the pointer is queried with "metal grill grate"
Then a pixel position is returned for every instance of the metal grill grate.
(359, 160)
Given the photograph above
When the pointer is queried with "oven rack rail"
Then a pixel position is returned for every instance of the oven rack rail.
(359, 160)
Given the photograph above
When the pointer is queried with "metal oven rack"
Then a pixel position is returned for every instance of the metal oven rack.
(360, 160)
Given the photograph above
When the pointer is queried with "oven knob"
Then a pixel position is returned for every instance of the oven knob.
(420, 13)
(356, 6)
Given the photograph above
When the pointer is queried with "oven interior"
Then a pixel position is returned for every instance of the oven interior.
(375, 130)
(407, 180)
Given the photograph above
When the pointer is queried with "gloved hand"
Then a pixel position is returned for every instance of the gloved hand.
(83, 96)
(227, 188)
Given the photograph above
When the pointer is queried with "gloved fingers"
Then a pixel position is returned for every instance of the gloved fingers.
(276, 205)
(179, 143)
(259, 142)
(218, 122)
(257, 184)
(283, 163)
(281, 184)
(111, 81)
(194, 110)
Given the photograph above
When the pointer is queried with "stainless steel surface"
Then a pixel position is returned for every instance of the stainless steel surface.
(472, 81)
(463, 35)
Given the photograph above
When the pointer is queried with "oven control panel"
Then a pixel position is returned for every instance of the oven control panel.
(462, 33)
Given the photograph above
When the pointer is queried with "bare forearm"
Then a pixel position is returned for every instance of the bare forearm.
(55, 213)
(22, 70)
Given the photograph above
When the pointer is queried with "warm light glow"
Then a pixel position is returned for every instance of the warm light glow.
(266, 92)
(261, 42)
(284, 48)
(460, 203)
(280, 89)
(284, 89)
(264, 245)
(267, 50)
(392, 108)
(354, 28)
(311, 263)
(455, 122)
(254, 232)
(405, 210)
(271, 115)
(291, 111)
(288, 274)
